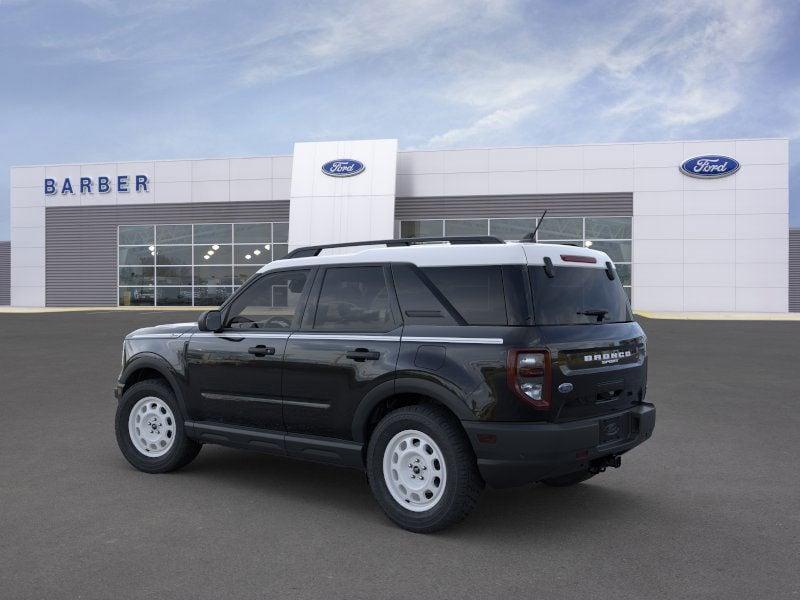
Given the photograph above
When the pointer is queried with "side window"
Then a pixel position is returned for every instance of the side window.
(475, 292)
(417, 302)
(354, 299)
(270, 304)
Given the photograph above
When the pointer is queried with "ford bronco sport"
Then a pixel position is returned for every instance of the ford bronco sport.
(436, 365)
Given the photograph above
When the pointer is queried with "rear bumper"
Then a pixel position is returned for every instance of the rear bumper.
(529, 452)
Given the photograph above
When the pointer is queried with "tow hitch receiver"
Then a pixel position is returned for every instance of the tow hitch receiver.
(601, 464)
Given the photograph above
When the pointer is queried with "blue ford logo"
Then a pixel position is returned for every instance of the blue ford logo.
(710, 166)
(343, 167)
(565, 388)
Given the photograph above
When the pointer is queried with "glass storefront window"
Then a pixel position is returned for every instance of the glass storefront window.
(611, 235)
(211, 296)
(212, 255)
(136, 296)
(454, 227)
(136, 276)
(280, 233)
(173, 276)
(173, 234)
(511, 229)
(251, 254)
(206, 275)
(251, 233)
(136, 255)
(426, 228)
(174, 296)
(617, 250)
(210, 234)
(561, 228)
(174, 255)
(185, 264)
(135, 235)
(608, 228)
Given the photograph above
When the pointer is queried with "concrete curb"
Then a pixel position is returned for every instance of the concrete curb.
(720, 316)
(53, 309)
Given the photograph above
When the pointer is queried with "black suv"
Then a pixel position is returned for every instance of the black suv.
(434, 365)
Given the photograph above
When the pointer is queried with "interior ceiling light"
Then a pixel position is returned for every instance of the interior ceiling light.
(215, 247)
(151, 248)
(211, 253)
(247, 257)
(588, 243)
(206, 257)
(256, 252)
(266, 246)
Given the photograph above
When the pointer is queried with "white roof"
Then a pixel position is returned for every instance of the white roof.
(445, 255)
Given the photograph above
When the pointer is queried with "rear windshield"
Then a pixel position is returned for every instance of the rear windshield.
(577, 296)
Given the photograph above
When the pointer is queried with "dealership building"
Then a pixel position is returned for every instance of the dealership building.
(692, 226)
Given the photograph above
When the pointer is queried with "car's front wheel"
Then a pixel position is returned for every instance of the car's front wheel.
(149, 428)
(422, 469)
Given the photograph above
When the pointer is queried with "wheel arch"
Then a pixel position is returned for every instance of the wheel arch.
(151, 366)
(403, 392)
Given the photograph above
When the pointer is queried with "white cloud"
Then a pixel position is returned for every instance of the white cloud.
(673, 64)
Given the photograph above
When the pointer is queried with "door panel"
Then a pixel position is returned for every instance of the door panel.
(233, 386)
(348, 344)
(322, 385)
(235, 375)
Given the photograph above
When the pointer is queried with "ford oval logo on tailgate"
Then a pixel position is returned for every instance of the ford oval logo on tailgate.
(710, 166)
(343, 167)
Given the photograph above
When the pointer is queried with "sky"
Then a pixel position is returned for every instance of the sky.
(98, 80)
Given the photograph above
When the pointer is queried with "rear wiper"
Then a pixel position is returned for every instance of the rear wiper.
(594, 312)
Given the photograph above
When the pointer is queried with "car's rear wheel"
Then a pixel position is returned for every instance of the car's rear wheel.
(422, 469)
(149, 428)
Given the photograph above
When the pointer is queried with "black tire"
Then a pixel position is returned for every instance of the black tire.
(568, 479)
(463, 482)
(183, 449)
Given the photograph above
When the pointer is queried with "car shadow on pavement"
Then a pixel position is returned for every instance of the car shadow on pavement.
(538, 509)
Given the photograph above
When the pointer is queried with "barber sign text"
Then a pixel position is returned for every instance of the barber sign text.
(97, 185)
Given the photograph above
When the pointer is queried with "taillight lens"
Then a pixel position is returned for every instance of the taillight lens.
(529, 376)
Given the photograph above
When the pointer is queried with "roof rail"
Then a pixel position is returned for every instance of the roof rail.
(307, 251)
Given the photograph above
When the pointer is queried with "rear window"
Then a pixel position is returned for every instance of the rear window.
(577, 296)
(475, 292)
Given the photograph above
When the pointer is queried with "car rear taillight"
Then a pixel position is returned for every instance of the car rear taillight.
(529, 376)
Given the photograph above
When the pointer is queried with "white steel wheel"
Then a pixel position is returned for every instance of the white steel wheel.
(414, 470)
(151, 426)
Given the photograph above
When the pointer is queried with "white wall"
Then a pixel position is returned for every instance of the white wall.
(327, 209)
(698, 245)
(170, 181)
(711, 244)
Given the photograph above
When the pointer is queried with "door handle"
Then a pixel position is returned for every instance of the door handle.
(261, 350)
(362, 354)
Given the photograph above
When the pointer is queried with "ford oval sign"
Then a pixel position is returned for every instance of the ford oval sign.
(343, 167)
(710, 166)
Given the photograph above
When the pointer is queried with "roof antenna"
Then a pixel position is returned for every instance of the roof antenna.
(531, 237)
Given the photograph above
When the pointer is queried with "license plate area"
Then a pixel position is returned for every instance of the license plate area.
(613, 429)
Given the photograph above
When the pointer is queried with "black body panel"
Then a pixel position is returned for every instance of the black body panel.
(312, 394)
(231, 382)
(325, 377)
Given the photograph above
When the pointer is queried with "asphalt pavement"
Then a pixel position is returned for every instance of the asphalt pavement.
(708, 508)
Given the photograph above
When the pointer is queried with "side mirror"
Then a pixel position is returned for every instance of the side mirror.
(211, 320)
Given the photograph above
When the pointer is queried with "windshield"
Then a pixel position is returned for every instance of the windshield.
(577, 296)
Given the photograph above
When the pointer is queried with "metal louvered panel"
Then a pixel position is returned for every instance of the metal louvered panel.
(81, 241)
(794, 270)
(5, 273)
(557, 205)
